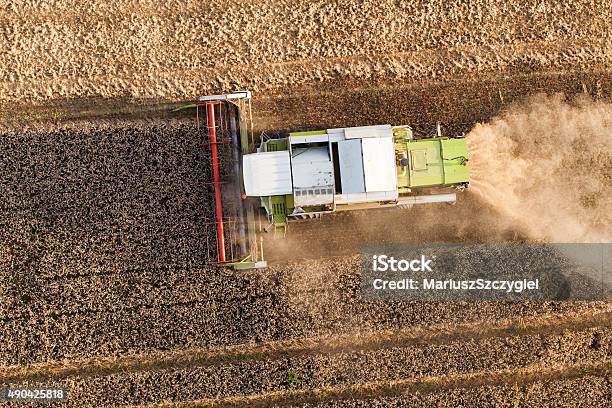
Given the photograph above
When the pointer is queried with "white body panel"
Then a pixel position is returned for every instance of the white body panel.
(313, 176)
(351, 166)
(267, 173)
(333, 137)
(379, 164)
(426, 199)
(363, 132)
(226, 97)
(308, 139)
(354, 198)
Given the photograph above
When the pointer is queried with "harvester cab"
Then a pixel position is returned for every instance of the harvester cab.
(308, 174)
(304, 175)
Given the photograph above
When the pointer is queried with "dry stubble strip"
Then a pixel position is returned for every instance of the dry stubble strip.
(391, 391)
(179, 45)
(548, 324)
(346, 369)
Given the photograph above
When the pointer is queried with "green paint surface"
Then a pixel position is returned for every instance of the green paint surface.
(309, 133)
(433, 162)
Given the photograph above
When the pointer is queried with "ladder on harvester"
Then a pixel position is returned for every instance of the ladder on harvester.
(279, 216)
(306, 216)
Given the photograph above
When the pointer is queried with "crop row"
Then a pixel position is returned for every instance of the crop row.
(236, 378)
(586, 391)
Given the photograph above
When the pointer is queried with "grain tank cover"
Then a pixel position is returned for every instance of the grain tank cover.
(379, 164)
(267, 173)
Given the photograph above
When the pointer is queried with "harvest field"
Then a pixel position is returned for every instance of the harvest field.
(105, 284)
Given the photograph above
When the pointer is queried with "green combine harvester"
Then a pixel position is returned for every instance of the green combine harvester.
(304, 175)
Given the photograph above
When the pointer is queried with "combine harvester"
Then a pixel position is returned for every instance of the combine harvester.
(303, 175)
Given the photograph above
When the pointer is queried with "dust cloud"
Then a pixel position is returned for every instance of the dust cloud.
(546, 164)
